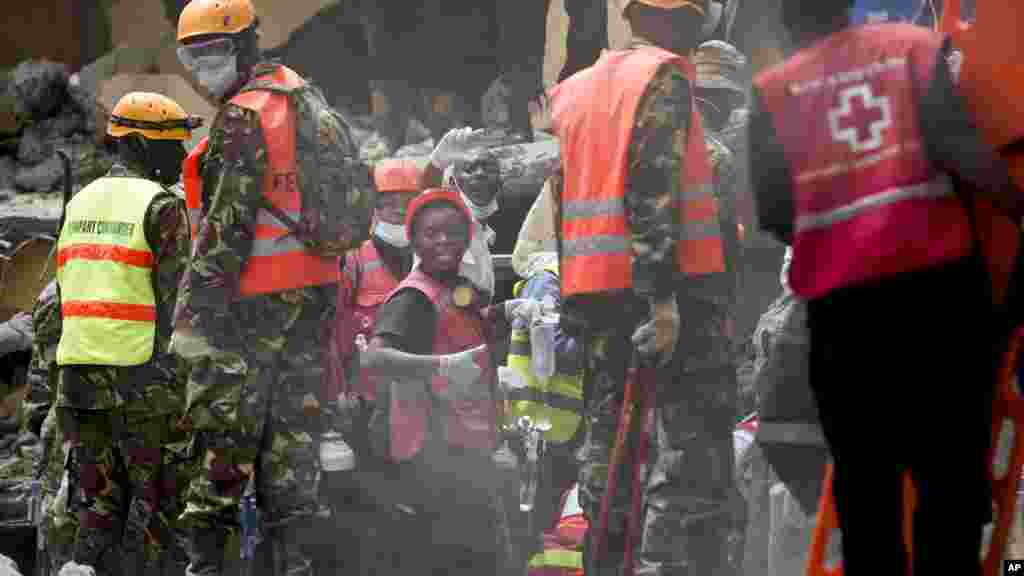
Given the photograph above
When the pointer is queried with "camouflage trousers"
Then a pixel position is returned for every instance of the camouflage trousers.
(688, 481)
(118, 484)
(248, 418)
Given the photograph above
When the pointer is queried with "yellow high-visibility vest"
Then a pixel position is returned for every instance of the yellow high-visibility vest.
(105, 275)
(558, 399)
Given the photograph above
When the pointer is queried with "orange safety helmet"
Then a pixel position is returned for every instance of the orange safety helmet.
(202, 17)
(154, 116)
(396, 175)
(433, 196)
(699, 5)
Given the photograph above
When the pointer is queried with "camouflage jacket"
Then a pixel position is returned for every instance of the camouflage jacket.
(154, 386)
(232, 174)
(46, 323)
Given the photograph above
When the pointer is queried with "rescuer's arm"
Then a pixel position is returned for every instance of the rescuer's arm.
(769, 175)
(539, 286)
(955, 145)
(167, 231)
(46, 326)
(403, 339)
(232, 186)
(657, 154)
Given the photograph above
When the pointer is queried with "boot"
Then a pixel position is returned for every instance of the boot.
(205, 550)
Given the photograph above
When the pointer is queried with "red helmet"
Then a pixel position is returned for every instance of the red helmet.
(433, 196)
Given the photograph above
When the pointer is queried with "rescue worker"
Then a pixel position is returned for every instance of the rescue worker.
(458, 162)
(862, 142)
(640, 244)
(431, 348)
(558, 400)
(371, 273)
(259, 293)
(122, 249)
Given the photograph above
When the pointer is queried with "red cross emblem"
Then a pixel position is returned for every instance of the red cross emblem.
(860, 119)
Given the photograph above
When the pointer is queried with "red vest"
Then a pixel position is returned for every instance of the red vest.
(868, 202)
(468, 424)
(371, 281)
(278, 261)
(594, 114)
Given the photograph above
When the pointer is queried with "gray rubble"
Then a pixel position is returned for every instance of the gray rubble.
(39, 114)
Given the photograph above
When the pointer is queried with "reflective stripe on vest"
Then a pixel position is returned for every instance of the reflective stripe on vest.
(803, 433)
(559, 400)
(868, 202)
(192, 176)
(105, 275)
(557, 558)
(469, 424)
(278, 261)
(594, 113)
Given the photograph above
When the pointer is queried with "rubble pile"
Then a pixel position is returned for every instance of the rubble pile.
(41, 111)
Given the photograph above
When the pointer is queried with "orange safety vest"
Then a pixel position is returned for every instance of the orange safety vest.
(869, 204)
(594, 114)
(278, 261)
(192, 177)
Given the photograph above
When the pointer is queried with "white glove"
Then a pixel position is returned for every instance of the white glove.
(523, 309)
(453, 147)
(658, 337)
(463, 372)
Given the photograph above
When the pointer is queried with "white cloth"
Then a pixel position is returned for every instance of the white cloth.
(536, 245)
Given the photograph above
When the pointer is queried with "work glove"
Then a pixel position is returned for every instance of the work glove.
(522, 309)
(463, 373)
(658, 337)
(453, 147)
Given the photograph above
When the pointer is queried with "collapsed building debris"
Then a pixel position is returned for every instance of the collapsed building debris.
(42, 111)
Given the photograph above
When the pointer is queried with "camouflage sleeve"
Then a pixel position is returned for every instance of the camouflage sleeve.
(168, 233)
(232, 185)
(656, 157)
(46, 324)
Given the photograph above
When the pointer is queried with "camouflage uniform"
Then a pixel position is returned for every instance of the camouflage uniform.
(246, 402)
(57, 525)
(117, 419)
(689, 475)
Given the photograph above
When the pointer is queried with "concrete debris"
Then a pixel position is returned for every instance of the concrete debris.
(39, 88)
(8, 567)
(42, 177)
(48, 114)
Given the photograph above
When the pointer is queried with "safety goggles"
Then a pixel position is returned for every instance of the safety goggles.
(191, 55)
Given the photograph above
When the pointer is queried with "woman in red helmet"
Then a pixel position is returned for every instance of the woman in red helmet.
(438, 388)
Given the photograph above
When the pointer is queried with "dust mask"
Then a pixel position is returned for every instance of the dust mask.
(392, 234)
(217, 74)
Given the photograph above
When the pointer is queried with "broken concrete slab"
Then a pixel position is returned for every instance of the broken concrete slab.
(39, 88)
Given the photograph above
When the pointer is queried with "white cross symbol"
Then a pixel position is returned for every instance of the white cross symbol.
(845, 109)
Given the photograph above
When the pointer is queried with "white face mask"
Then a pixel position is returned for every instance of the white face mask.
(217, 74)
(392, 234)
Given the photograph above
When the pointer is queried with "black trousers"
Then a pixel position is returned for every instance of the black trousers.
(903, 372)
